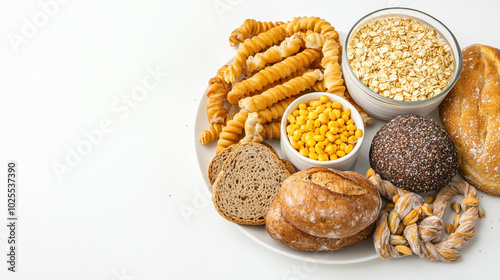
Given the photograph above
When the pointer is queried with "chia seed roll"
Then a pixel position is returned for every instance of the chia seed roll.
(414, 153)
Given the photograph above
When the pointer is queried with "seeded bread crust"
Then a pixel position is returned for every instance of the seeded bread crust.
(329, 203)
(281, 230)
(249, 181)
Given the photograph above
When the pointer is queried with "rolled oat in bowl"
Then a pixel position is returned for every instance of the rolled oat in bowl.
(401, 59)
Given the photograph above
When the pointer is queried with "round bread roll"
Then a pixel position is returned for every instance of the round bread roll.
(470, 113)
(414, 153)
(329, 203)
(281, 230)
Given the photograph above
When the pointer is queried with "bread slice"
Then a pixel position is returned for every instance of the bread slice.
(217, 162)
(248, 183)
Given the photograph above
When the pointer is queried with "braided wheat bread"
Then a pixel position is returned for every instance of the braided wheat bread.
(424, 237)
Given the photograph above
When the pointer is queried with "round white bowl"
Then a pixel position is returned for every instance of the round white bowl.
(386, 108)
(301, 162)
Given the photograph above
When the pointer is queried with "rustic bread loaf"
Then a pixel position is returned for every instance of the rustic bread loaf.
(281, 230)
(329, 203)
(247, 184)
(470, 114)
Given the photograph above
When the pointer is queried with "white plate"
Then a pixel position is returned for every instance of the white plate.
(361, 252)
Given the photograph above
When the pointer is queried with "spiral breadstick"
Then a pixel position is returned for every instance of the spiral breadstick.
(292, 87)
(249, 28)
(232, 132)
(217, 93)
(314, 24)
(252, 46)
(271, 130)
(286, 68)
(288, 47)
(275, 111)
(213, 132)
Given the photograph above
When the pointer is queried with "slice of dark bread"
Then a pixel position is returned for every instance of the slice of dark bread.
(247, 184)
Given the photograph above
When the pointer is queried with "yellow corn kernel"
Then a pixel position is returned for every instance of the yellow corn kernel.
(351, 139)
(309, 125)
(333, 124)
(297, 134)
(342, 147)
(314, 104)
(336, 113)
(343, 138)
(323, 99)
(323, 129)
(319, 151)
(302, 106)
(333, 157)
(310, 142)
(317, 123)
(320, 109)
(349, 148)
(313, 156)
(304, 152)
(319, 137)
(334, 130)
(329, 135)
(349, 122)
(338, 141)
(358, 133)
(303, 112)
(345, 118)
(341, 121)
(340, 153)
(295, 113)
(312, 115)
(323, 157)
(351, 127)
(351, 132)
(291, 118)
(323, 118)
(347, 112)
(330, 149)
(301, 120)
(289, 129)
(336, 105)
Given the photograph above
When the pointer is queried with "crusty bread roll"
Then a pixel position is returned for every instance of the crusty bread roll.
(329, 203)
(470, 114)
(281, 230)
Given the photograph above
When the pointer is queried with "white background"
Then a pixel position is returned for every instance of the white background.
(117, 213)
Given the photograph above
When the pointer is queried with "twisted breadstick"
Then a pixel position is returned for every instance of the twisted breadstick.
(288, 47)
(252, 46)
(249, 28)
(275, 111)
(213, 132)
(271, 130)
(217, 93)
(314, 24)
(232, 132)
(292, 87)
(286, 68)
(424, 238)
